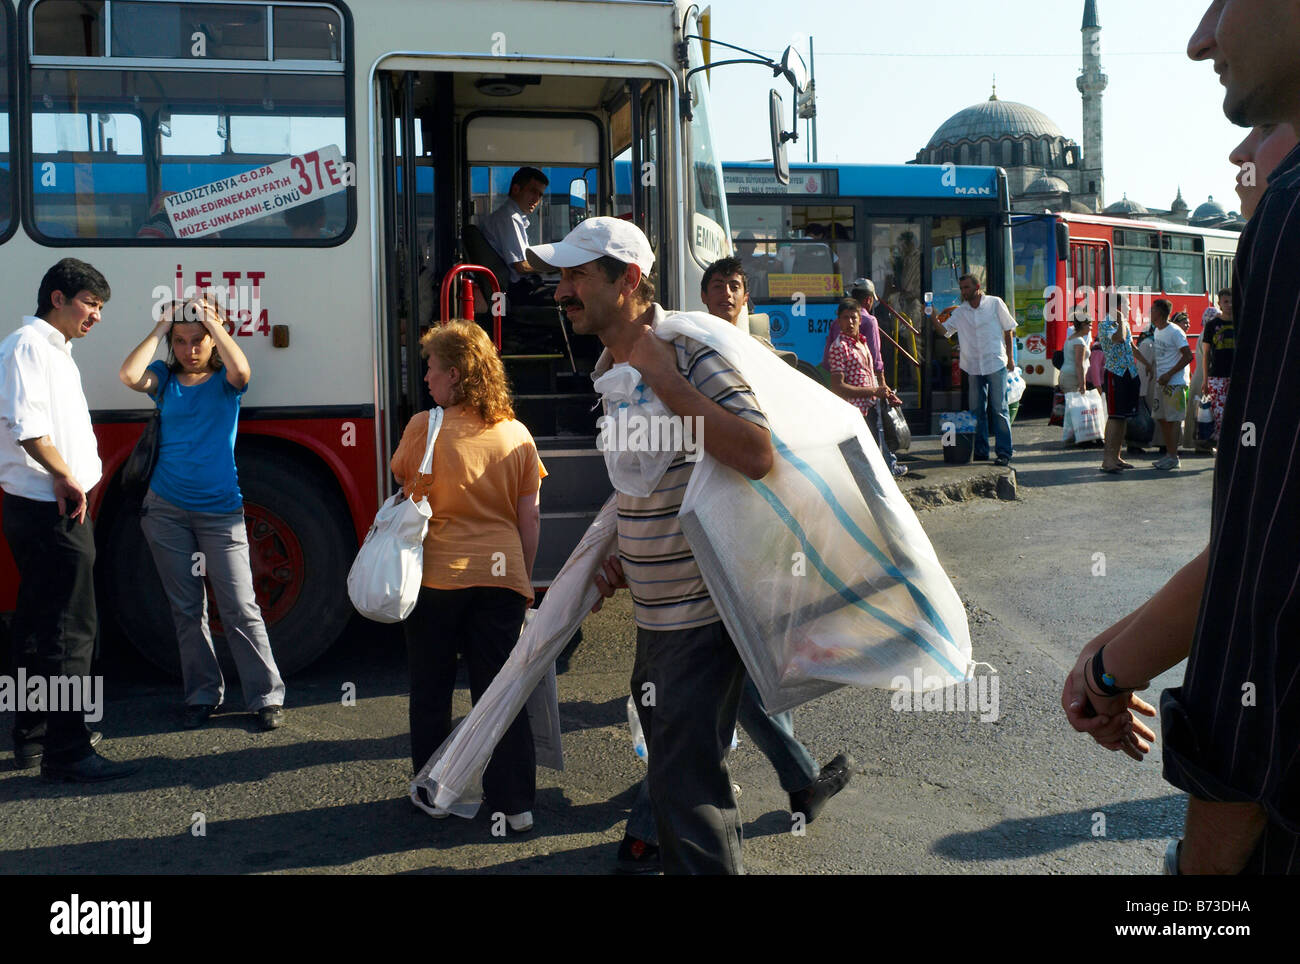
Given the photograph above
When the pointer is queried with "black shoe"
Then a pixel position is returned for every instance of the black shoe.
(979, 458)
(833, 778)
(271, 717)
(89, 769)
(196, 714)
(1002, 460)
(638, 857)
(29, 754)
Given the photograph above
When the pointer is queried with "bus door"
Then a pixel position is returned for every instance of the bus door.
(1089, 277)
(452, 143)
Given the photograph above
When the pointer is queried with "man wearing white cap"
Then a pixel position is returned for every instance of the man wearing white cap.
(687, 677)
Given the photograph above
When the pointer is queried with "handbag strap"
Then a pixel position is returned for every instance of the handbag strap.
(435, 426)
(162, 386)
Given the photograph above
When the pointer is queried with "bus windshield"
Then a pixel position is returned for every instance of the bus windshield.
(710, 229)
(1033, 269)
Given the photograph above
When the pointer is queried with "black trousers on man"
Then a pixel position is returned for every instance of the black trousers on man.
(54, 623)
(687, 685)
(483, 623)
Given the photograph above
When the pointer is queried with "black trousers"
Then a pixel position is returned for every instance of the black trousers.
(481, 623)
(54, 621)
(687, 685)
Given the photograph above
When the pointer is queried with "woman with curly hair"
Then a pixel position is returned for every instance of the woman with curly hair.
(478, 554)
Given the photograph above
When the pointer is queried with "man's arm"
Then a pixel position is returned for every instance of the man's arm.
(733, 441)
(68, 492)
(845, 390)
(1011, 358)
(1184, 359)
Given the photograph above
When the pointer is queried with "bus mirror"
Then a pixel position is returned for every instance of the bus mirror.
(577, 201)
(795, 70)
(1062, 241)
(780, 165)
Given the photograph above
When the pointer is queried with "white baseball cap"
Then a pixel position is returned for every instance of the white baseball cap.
(595, 238)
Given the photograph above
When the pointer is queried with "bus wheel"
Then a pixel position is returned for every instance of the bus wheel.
(812, 371)
(299, 549)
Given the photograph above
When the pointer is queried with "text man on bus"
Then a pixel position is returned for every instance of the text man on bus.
(506, 229)
(687, 677)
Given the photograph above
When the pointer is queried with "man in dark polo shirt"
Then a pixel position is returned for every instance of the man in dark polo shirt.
(1232, 730)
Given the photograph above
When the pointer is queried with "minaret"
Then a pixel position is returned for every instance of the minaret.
(1091, 83)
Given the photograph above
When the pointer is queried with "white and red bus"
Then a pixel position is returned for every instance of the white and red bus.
(168, 142)
(1063, 260)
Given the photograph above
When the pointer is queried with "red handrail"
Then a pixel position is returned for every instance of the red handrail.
(467, 297)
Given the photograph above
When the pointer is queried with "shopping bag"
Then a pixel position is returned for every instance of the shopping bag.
(384, 582)
(543, 709)
(1015, 386)
(1204, 420)
(1141, 427)
(820, 570)
(1085, 415)
(898, 434)
(634, 470)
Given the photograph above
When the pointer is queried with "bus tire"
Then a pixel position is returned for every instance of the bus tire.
(300, 548)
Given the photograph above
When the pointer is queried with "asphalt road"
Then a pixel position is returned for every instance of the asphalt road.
(932, 792)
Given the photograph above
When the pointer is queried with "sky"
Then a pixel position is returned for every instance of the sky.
(889, 73)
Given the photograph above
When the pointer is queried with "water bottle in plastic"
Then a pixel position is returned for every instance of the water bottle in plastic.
(929, 302)
(634, 724)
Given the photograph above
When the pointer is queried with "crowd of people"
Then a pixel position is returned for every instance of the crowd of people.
(1230, 729)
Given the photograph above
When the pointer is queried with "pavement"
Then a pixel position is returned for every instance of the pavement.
(932, 792)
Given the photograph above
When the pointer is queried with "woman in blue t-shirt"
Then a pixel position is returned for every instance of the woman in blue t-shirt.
(193, 514)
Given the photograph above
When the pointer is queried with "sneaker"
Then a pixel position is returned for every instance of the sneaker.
(833, 778)
(899, 470)
(270, 717)
(1169, 866)
(1002, 460)
(423, 801)
(638, 857)
(520, 822)
(1167, 463)
(196, 714)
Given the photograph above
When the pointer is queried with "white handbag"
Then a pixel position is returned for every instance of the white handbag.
(384, 582)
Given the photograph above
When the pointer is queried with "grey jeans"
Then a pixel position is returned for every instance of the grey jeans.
(688, 713)
(175, 536)
(773, 735)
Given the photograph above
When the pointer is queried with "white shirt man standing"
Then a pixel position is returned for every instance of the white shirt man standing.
(1173, 355)
(49, 460)
(984, 325)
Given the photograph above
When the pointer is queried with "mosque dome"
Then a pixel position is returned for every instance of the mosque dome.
(1211, 210)
(994, 119)
(1047, 185)
(1125, 208)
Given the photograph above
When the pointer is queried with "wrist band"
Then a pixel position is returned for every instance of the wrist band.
(1104, 681)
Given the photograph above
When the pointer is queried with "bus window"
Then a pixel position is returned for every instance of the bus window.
(786, 248)
(1182, 264)
(1033, 273)
(110, 143)
(6, 166)
(1136, 260)
(709, 228)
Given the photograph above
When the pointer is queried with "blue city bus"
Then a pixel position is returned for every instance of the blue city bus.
(912, 229)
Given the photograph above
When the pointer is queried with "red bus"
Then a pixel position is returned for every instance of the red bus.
(1063, 260)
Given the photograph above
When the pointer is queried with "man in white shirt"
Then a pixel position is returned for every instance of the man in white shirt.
(49, 460)
(984, 325)
(1173, 355)
(506, 229)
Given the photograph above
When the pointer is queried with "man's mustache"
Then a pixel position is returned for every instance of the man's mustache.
(567, 303)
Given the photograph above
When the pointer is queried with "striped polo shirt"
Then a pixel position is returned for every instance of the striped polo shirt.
(1232, 730)
(668, 592)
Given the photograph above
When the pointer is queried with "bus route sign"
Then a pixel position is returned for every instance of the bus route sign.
(256, 193)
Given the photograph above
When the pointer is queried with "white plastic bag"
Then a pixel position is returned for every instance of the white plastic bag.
(820, 571)
(630, 406)
(1085, 415)
(384, 582)
(1015, 386)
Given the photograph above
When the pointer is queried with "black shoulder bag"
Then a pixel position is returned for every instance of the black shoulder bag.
(139, 466)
